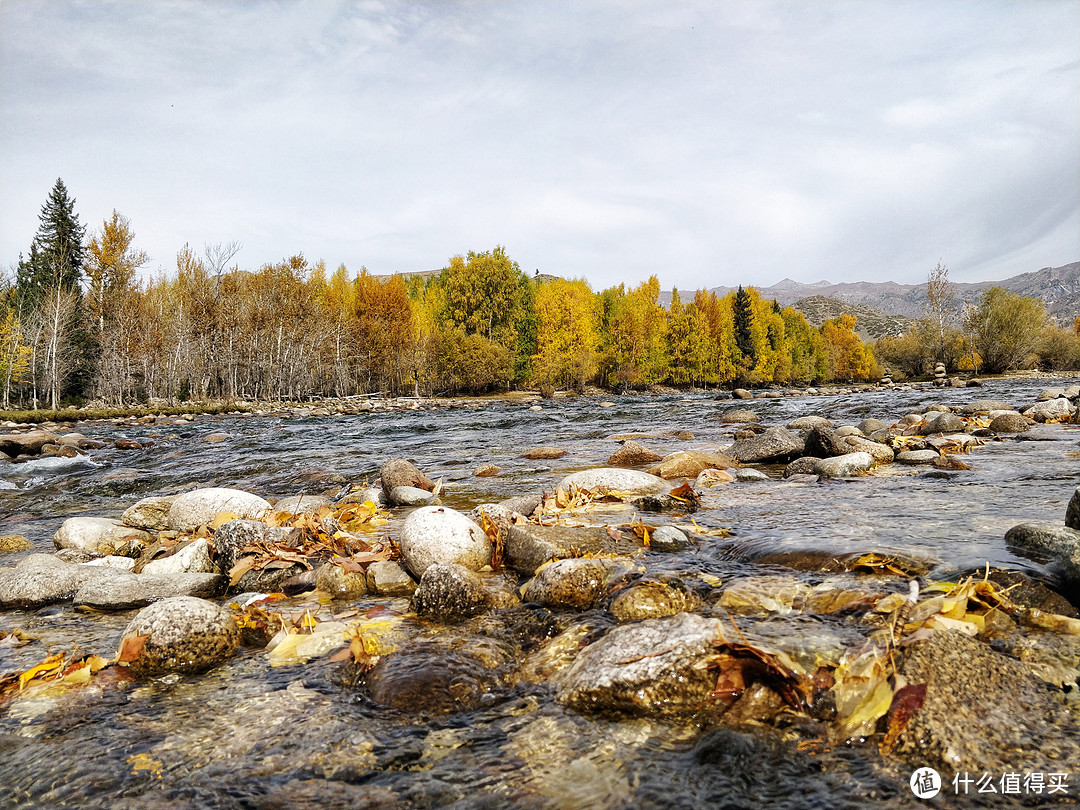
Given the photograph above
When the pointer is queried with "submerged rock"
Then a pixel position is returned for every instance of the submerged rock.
(775, 444)
(29, 443)
(690, 464)
(449, 592)
(1053, 544)
(917, 457)
(126, 591)
(101, 535)
(12, 543)
(846, 465)
(389, 578)
(544, 453)
(434, 534)
(528, 546)
(572, 583)
(669, 539)
(982, 711)
(198, 507)
(653, 598)
(647, 668)
(183, 634)
(338, 583)
(737, 416)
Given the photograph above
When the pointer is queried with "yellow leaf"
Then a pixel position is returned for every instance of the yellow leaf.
(42, 670)
(145, 762)
(221, 518)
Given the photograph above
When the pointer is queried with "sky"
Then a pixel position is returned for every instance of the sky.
(707, 143)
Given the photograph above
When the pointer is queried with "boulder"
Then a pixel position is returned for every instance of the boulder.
(43, 579)
(776, 444)
(126, 591)
(822, 442)
(882, 453)
(194, 558)
(571, 583)
(631, 454)
(846, 465)
(528, 546)
(809, 423)
(398, 472)
(1052, 410)
(522, 504)
(868, 426)
(1072, 511)
(917, 457)
(1050, 393)
(690, 463)
(100, 535)
(741, 393)
(149, 514)
(749, 474)
(982, 710)
(410, 496)
(944, 423)
(1009, 422)
(434, 534)
(615, 479)
(669, 539)
(29, 443)
(543, 453)
(654, 667)
(338, 583)
(449, 592)
(231, 537)
(198, 507)
(1053, 544)
(389, 578)
(183, 634)
(986, 406)
(302, 504)
(807, 465)
(737, 416)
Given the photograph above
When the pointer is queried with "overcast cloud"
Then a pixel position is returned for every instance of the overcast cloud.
(705, 142)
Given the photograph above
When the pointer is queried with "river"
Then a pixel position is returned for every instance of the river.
(248, 735)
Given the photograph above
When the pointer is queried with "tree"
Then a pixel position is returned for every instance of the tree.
(566, 334)
(56, 254)
(940, 318)
(849, 357)
(1007, 329)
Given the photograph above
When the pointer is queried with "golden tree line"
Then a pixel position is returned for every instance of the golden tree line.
(293, 330)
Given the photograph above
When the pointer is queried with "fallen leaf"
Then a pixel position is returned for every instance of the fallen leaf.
(131, 648)
(51, 664)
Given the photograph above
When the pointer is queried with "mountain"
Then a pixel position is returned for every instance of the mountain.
(1058, 287)
(871, 323)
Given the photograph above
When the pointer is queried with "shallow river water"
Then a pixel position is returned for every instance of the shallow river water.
(247, 735)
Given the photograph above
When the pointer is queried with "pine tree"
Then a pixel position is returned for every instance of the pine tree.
(57, 252)
(744, 321)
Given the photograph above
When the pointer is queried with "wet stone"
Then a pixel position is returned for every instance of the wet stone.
(917, 457)
(1072, 512)
(653, 599)
(631, 454)
(340, 584)
(1010, 422)
(544, 453)
(399, 472)
(11, 543)
(302, 504)
(183, 634)
(102, 535)
(149, 514)
(749, 474)
(198, 507)
(410, 496)
(433, 534)
(1053, 544)
(43, 579)
(669, 539)
(735, 416)
(126, 591)
(573, 583)
(846, 466)
(522, 504)
(528, 546)
(449, 592)
(869, 426)
(807, 465)
(775, 444)
(628, 482)
(690, 464)
(389, 578)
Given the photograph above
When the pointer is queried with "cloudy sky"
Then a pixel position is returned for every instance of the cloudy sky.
(708, 143)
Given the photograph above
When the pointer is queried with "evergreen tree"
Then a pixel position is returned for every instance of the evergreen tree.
(57, 252)
(744, 321)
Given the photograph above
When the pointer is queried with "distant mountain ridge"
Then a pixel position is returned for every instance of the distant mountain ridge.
(1057, 287)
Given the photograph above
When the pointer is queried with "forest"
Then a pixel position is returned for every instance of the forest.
(80, 324)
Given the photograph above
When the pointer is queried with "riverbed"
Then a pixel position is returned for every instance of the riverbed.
(250, 735)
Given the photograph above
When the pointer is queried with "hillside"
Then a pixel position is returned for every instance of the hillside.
(871, 323)
(1058, 287)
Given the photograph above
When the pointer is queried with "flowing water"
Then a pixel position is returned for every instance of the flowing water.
(248, 735)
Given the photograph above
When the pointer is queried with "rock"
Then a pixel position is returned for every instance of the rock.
(882, 453)
(845, 431)
(1072, 511)
(1009, 422)
(42, 579)
(183, 634)
(1050, 393)
(749, 474)
(741, 393)
(389, 578)
(302, 504)
(808, 423)
(615, 479)
(646, 668)
(126, 591)
(690, 463)
(982, 707)
(631, 454)
(653, 598)
(822, 442)
(373, 494)
(112, 561)
(776, 444)
(950, 462)
(522, 504)
(150, 514)
(669, 539)
(11, 543)
(486, 471)
(571, 583)
(102, 535)
(807, 465)
(945, 423)
(29, 443)
(80, 441)
(868, 426)
(736, 416)
(449, 592)
(986, 406)
(270, 580)
(434, 534)
(340, 584)
(542, 453)
(846, 466)
(1053, 544)
(127, 444)
(1051, 410)
(528, 546)
(710, 478)
(232, 536)
(410, 496)
(399, 472)
(194, 558)
(198, 507)
(1028, 592)
(916, 457)
(216, 437)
